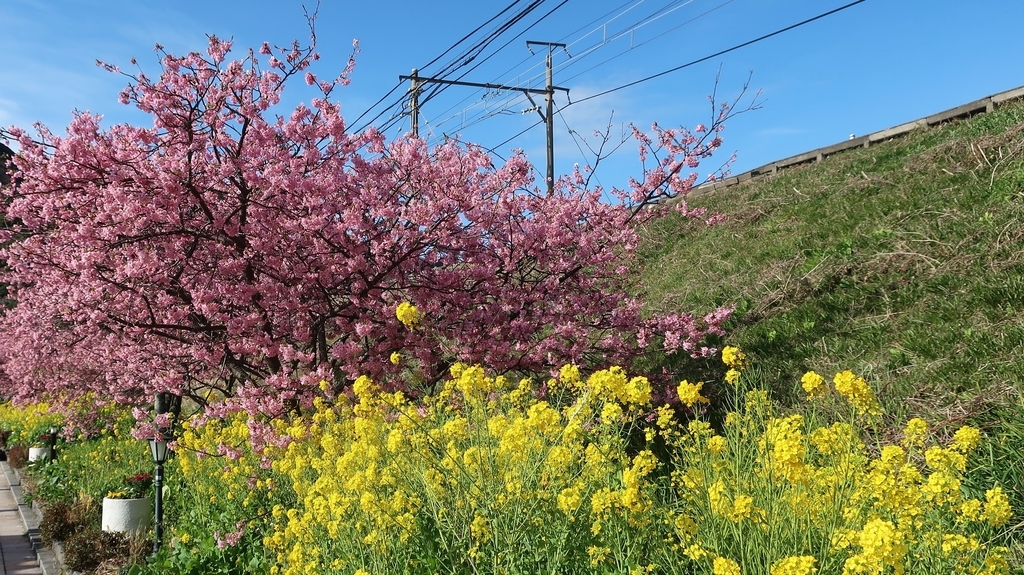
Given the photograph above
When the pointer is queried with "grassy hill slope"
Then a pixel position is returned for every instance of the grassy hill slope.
(903, 262)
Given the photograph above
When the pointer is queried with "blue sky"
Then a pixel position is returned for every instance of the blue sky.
(875, 65)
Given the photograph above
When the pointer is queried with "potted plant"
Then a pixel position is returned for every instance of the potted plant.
(128, 508)
(42, 447)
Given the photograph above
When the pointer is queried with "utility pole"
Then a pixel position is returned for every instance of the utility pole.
(549, 118)
(414, 102)
(548, 91)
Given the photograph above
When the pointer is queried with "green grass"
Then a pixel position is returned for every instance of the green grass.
(903, 262)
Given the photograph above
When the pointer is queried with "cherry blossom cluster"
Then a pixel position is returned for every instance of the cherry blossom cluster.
(231, 252)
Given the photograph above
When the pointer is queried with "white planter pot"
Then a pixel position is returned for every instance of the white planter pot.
(127, 515)
(35, 453)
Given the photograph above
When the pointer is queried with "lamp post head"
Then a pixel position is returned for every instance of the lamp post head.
(158, 448)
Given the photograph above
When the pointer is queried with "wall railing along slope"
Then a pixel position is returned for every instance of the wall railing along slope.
(982, 106)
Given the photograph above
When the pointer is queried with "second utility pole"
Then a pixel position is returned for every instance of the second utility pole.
(548, 91)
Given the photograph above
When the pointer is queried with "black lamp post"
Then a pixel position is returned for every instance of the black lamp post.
(165, 402)
(158, 447)
(52, 442)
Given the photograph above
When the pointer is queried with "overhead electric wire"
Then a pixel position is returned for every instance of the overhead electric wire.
(578, 58)
(497, 79)
(664, 10)
(466, 57)
(705, 58)
(527, 59)
(462, 57)
(487, 114)
(471, 54)
(667, 8)
(532, 126)
(377, 103)
(503, 46)
(475, 30)
(490, 112)
(721, 52)
(635, 46)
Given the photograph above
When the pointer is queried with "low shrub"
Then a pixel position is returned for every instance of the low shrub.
(57, 524)
(61, 520)
(89, 547)
(17, 456)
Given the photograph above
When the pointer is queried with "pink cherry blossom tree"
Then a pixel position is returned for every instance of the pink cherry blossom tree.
(229, 251)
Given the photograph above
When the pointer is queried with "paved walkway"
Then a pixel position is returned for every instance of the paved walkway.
(16, 554)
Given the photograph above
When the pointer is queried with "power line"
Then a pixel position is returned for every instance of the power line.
(635, 46)
(716, 54)
(438, 88)
(477, 49)
(467, 36)
(688, 64)
(503, 46)
(667, 8)
(465, 57)
(375, 104)
(530, 127)
(644, 21)
(518, 100)
(497, 78)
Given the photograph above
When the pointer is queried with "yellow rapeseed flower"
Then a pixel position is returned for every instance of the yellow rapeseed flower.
(914, 433)
(733, 357)
(796, 565)
(732, 376)
(666, 417)
(396, 358)
(996, 562)
(717, 445)
(812, 384)
(689, 393)
(569, 500)
(480, 528)
(695, 552)
(997, 507)
(881, 545)
(408, 314)
(966, 439)
(947, 460)
(942, 488)
(742, 508)
(569, 375)
(955, 542)
(719, 501)
(970, 510)
(597, 554)
(857, 392)
(611, 413)
(724, 566)
(784, 440)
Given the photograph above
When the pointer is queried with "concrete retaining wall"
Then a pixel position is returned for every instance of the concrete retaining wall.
(981, 106)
